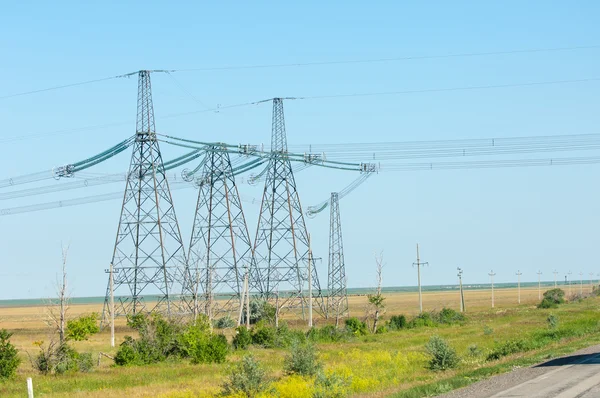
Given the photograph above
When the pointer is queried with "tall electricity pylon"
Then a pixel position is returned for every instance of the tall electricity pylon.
(337, 296)
(149, 261)
(281, 243)
(220, 250)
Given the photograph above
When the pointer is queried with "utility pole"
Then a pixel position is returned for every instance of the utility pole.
(539, 284)
(491, 274)
(419, 264)
(519, 273)
(591, 281)
(570, 284)
(580, 282)
(462, 297)
(555, 273)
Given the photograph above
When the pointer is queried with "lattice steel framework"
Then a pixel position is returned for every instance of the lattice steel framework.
(337, 296)
(281, 243)
(220, 247)
(149, 259)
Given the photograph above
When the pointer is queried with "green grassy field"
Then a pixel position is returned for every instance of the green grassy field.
(390, 364)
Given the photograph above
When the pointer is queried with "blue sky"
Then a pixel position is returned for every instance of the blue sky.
(505, 219)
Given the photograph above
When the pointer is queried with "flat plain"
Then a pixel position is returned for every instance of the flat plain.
(393, 363)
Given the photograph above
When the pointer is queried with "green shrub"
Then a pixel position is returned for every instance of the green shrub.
(225, 323)
(9, 356)
(552, 298)
(286, 337)
(261, 310)
(160, 339)
(247, 378)
(242, 338)
(381, 329)
(331, 386)
(201, 346)
(448, 316)
(81, 328)
(474, 350)
(59, 359)
(507, 348)
(302, 360)
(552, 321)
(397, 322)
(443, 356)
(356, 327)
(328, 334)
(422, 320)
(264, 335)
(487, 330)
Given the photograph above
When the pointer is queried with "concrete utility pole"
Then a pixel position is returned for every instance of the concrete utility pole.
(580, 282)
(491, 274)
(539, 285)
(112, 306)
(555, 273)
(569, 280)
(419, 264)
(462, 296)
(519, 273)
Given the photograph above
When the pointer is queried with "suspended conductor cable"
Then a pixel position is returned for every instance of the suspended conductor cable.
(391, 59)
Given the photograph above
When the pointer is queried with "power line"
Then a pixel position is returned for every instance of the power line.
(450, 89)
(219, 108)
(392, 59)
(64, 86)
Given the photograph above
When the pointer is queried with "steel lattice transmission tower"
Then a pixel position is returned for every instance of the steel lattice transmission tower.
(149, 260)
(337, 296)
(281, 243)
(220, 247)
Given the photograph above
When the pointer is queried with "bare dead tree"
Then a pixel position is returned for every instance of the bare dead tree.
(57, 309)
(376, 301)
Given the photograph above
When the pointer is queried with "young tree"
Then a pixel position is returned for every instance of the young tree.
(376, 301)
(57, 310)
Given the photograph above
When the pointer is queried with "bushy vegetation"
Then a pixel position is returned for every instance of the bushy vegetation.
(447, 316)
(261, 310)
(443, 356)
(329, 334)
(82, 328)
(552, 321)
(507, 348)
(330, 386)
(60, 358)
(397, 322)
(552, 298)
(225, 322)
(302, 360)
(161, 339)
(356, 327)
(9, 356)
(242, 338)
(247, 379)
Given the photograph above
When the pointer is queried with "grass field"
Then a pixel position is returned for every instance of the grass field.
(377, 365)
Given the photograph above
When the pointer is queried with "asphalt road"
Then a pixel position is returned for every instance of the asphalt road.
(573, 376)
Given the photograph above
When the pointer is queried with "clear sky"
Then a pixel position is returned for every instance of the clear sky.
(505, 219)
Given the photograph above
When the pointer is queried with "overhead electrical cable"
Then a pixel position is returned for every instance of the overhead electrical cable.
(389, 59)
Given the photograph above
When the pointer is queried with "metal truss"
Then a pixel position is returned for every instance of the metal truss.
(220, 247)
(337, 296)
(281, 246)
(149, 260)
